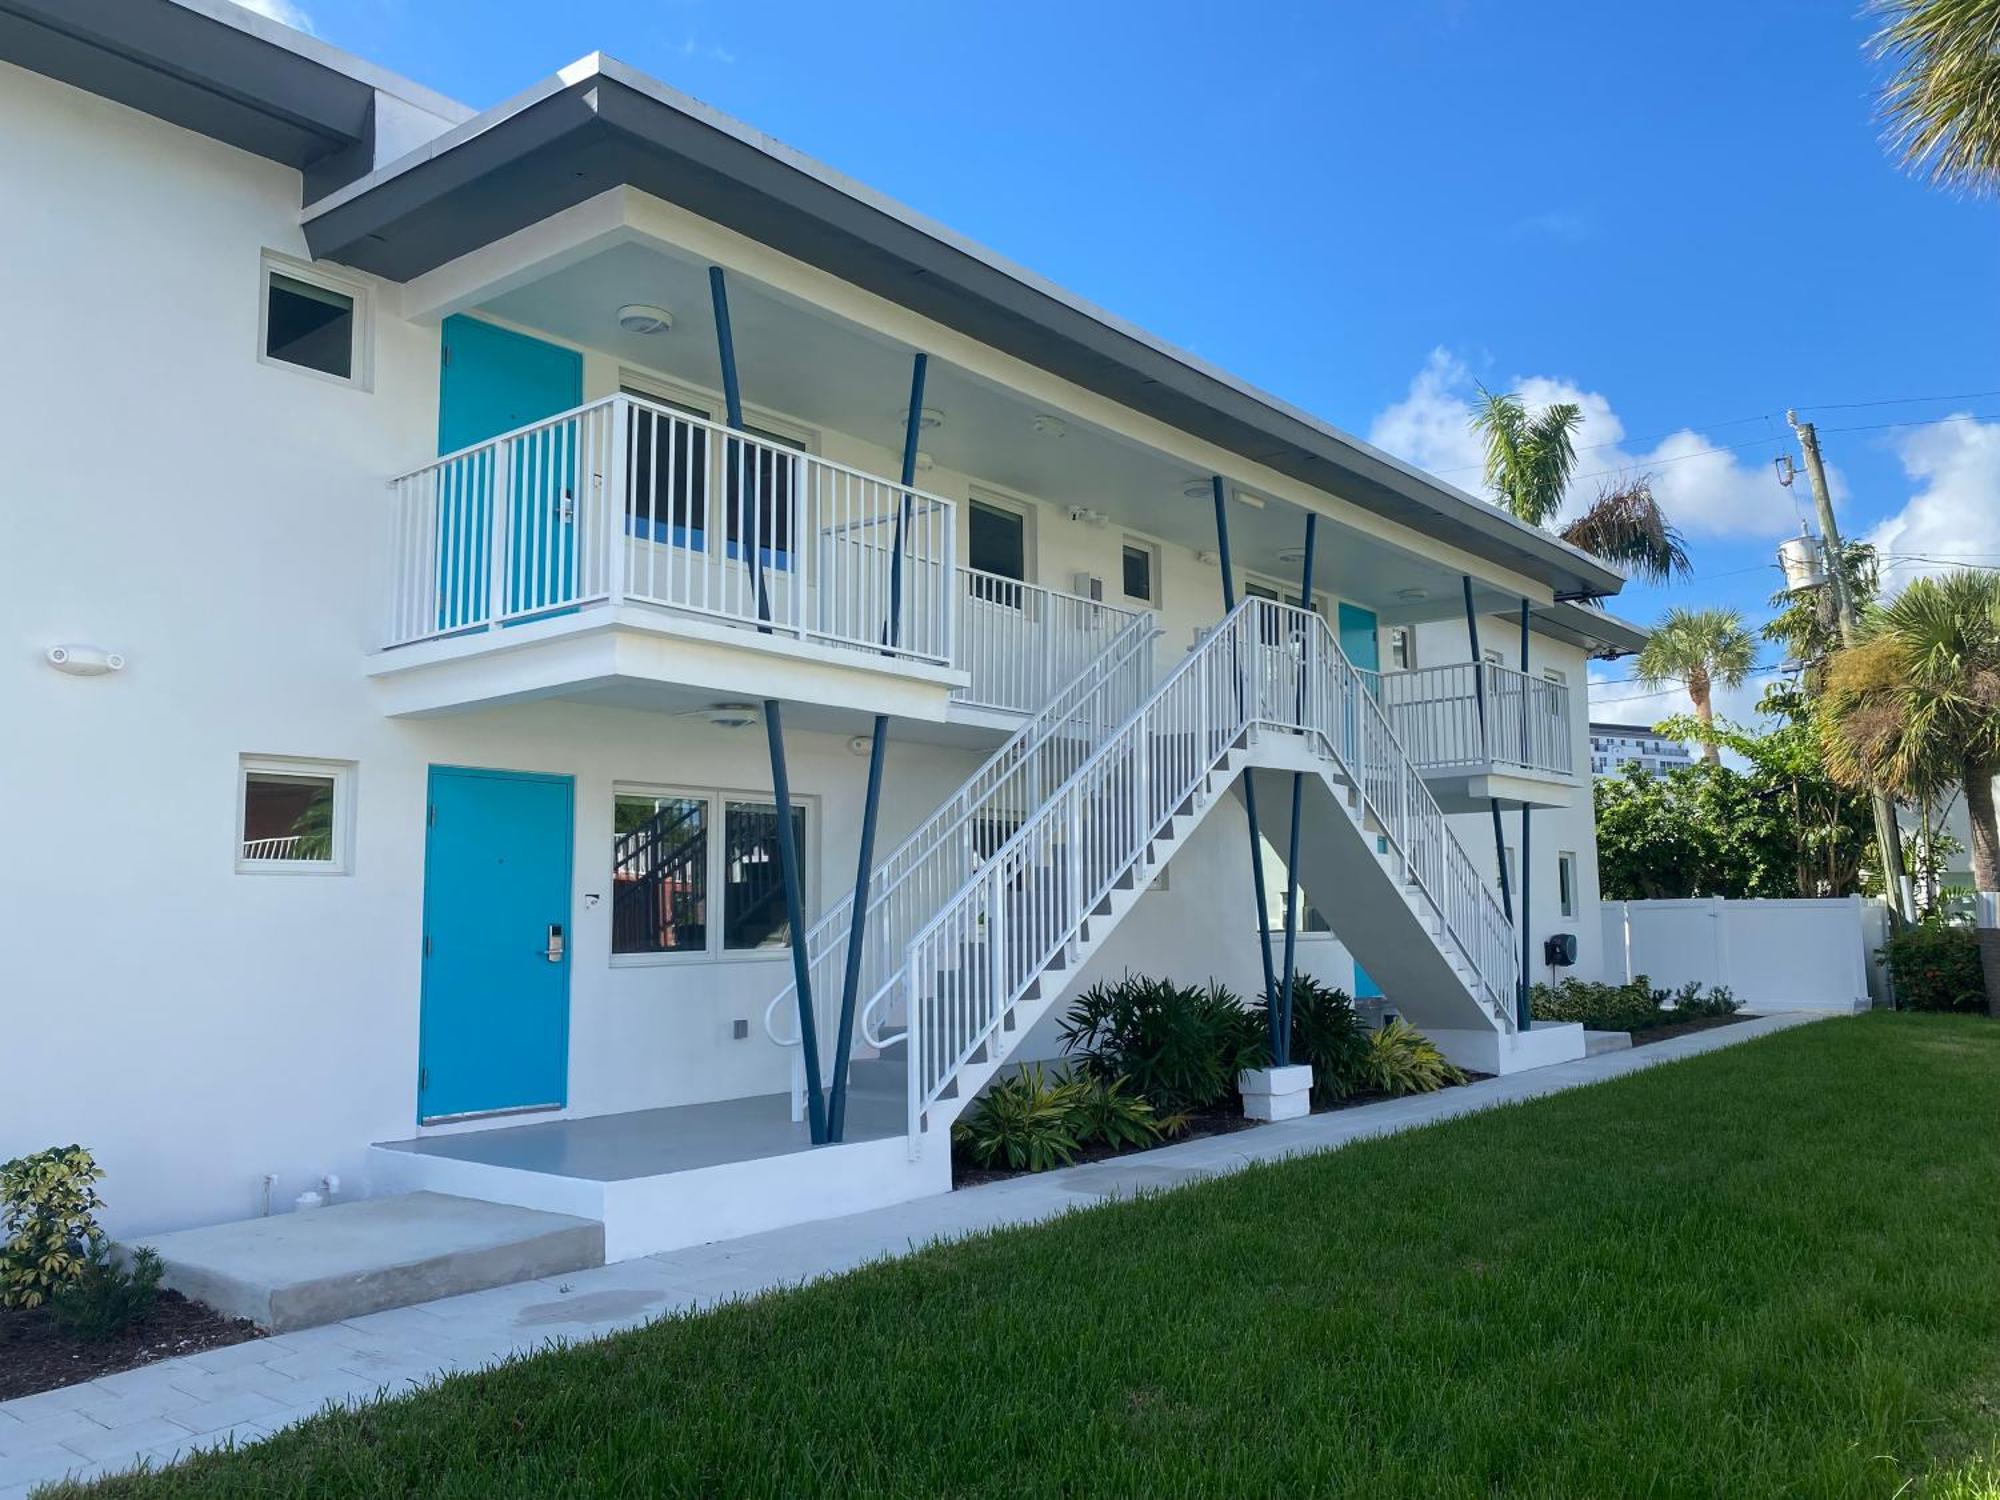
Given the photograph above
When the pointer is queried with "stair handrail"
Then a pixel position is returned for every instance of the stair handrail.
(1109, 683)
(1325, 698)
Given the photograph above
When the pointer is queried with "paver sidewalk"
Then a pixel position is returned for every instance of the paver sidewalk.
(247, 1391)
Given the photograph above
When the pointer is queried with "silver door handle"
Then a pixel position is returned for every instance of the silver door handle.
(554, 952)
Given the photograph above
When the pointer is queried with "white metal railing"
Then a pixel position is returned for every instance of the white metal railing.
(625, 500)
(1435, 713)
(908, 886)
(1266, 664)
(1020, 642)
(276, 848)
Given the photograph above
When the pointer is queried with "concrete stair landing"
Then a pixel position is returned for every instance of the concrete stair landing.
(297, 1270)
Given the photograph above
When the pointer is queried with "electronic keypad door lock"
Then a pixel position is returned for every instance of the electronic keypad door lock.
(554, 952)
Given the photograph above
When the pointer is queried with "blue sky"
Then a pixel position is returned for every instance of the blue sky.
(1681, 215)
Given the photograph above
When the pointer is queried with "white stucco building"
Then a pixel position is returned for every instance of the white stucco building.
(396, 607)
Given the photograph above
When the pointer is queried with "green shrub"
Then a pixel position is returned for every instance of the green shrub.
(1402, 1060)
(1329, 1038)
(1178, 1047)
(48, 1203)
(1936, 967)
(1108, 1113)
(1688, 1003)
(107, 1298)
(1600, 1007)
(1026, 1122)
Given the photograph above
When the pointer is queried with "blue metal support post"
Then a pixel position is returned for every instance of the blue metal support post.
(1485, 743)
(1281, 1050)
(774, 732)
(1219, 489)
(1523, 1007)
(857, 931)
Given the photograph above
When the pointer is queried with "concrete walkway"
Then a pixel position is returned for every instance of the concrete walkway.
(247, 1391)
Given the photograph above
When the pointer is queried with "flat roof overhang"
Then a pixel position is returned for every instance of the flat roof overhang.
(600, 125)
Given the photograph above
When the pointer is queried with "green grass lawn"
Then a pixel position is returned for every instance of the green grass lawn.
(1774, 1270)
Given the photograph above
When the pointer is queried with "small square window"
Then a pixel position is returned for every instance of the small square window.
(294, 816)
(312, 321)
(1402, 649)
(1138, 572)
(659, 874)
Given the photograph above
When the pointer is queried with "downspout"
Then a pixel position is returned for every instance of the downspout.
(1485, 751)
(857, 932)
(1281, 1051)
(774, 733)
(1217, 487)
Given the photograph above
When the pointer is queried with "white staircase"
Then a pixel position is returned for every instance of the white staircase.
(1266, 693)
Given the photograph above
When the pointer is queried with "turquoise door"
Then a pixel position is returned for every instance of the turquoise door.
(491, 381)
(1361, 643)
(495, 1032)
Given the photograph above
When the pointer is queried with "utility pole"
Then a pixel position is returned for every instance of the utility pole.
(1888, 833)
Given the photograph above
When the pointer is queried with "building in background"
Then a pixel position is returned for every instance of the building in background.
(1613, 747)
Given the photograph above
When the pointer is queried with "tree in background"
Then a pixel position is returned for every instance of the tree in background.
(1942, 99)
(1530, 460)
(1916, 702)
(1701, 649)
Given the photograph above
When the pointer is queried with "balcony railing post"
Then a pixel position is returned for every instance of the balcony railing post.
(618, 417)
(502, 489)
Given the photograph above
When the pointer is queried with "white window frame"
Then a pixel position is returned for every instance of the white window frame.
(361, 357)
(718, 800)
(1151, 550)
(1566, 883)
(636, 380)
(984, 495)
(1407, 634)
(340, 772)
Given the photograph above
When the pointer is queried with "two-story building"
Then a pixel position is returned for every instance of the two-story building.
(434, 536)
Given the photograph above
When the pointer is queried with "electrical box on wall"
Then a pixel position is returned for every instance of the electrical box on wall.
(1089, 585)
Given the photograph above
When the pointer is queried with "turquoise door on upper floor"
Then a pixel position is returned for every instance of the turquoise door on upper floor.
(492, 380)
(496, 960)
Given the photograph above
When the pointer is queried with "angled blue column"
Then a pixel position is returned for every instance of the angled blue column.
(774, 733)
(1281, 1050)
(1485, 744)
(1218, 488)
(1524, 1007)
(732, 453)
(857, 930)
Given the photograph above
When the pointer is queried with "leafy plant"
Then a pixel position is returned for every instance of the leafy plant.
(1328, 1037)
(1935, 966)
(1691, 1003)
(1635, 1006)
(48, 1203)
(1402, 1060)
(1027, 1122)
(1108, 1113)
(106, 1298)
(1178, 1047)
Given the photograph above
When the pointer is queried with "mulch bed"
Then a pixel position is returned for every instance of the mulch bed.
(36, 1354)
(1222, 1122)
(1682, 1028)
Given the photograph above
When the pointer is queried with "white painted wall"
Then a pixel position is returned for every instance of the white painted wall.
(215, 518)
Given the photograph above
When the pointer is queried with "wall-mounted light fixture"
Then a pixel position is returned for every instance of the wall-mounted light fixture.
(85, 661)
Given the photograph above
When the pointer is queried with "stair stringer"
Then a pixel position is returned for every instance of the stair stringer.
(1342, 867)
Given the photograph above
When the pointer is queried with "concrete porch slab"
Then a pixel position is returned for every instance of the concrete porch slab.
(298, 1270)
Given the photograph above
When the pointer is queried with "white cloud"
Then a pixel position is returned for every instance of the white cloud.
(284, 12)
(1953, 519)
(1705, 491)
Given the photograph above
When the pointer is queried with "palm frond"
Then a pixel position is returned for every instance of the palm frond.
(1941, 102)
(1698, 646)
(1625, 525)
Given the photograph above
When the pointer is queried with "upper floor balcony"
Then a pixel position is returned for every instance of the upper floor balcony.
(632, 552)
(1481, 731)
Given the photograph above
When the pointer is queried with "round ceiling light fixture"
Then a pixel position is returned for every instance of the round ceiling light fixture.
(1048, 425)
(929, 418)
(643, 317)
(727, 715)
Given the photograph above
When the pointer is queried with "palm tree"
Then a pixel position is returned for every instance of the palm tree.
(1530, 459)
(1916, 703)
(1702, 649)
(1942, 101)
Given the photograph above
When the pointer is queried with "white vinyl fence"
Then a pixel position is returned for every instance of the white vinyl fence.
(1776, 955)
